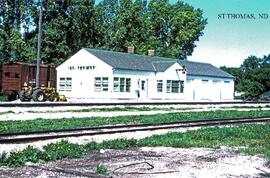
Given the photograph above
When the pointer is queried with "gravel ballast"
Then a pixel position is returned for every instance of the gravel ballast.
(151, 162)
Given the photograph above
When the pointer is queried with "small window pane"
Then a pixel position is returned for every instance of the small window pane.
(159, 85)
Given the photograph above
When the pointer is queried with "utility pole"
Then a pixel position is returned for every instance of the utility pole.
(39, 44)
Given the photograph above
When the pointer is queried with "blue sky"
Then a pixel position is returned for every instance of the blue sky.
(229, 41)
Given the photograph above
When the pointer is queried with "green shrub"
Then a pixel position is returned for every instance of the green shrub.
(102, 169)
(3, 158)
(92, 146)
(63, 149)
(253, 138)
(15, 159)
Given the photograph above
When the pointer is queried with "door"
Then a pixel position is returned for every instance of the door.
(144, 89)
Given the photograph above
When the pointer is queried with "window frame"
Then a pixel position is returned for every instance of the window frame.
(101, 84)
(175, 86)
(121, 84)
(159, 86)
(65, 84)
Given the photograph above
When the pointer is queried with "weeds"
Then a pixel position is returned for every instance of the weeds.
(127, 108)
(7, 112)
(63, 149)
(253, 139)
(50, 124)
(102, 169)
(15, 159)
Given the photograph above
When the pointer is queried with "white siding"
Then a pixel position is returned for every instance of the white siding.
(172, 73)
(83, 68)
(83, 80)
(215, 89)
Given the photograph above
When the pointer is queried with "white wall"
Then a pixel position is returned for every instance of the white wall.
(83, 82)
(169, 74)
(196, 89)
(150, 79)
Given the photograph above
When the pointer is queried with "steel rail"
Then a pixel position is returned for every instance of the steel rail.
(38, 136)
(124, 103)
(10, 134)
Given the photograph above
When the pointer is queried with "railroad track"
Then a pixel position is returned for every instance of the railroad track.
(23, 137)
(123, 103)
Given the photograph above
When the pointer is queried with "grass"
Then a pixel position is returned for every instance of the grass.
(50, 124)
(126, 108)
(255, 139)
(102, 169)
(7, 112)
(144, 108)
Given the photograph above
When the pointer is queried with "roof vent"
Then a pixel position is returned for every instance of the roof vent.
(130, 49)
(151, 52)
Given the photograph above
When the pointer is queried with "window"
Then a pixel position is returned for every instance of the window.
(116, 84)
(216, 81)
(128, 84)
(175, 86)
(204, 81)
(65, 84)
(143, 85)
(121, 84)
(68, 84)
(101, 84)
(159, 85)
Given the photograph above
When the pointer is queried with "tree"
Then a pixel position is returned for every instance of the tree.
(14, 29)
(265, 62)
(252, 88)
(68, 25)
(252, 62)
(253, 77)
(176, 27)
(131, 27)
(170, 29)
(238, 73)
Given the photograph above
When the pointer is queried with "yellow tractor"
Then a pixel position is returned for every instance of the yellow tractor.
(40, 94)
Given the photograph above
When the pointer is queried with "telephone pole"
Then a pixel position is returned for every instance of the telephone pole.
(39, 44)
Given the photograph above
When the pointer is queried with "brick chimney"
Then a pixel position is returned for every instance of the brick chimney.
(130, 49)
(151, 52)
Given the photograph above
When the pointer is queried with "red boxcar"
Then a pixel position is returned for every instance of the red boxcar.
(15, 74)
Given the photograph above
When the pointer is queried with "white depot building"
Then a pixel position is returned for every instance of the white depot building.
(92, 73)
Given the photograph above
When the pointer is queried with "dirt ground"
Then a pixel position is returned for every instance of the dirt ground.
(150, 162)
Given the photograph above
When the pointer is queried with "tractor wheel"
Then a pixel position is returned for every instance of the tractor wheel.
(53, 97)
(38, 95)
(11, 97)
(22, 95)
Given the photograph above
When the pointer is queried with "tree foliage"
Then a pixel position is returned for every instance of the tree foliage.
(69, 25)
(252, 77)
